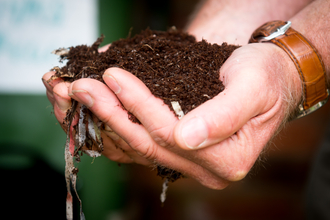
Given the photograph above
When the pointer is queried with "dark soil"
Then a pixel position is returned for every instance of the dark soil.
(171, 64)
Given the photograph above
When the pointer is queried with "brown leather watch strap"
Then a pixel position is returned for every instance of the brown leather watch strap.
(304, 55)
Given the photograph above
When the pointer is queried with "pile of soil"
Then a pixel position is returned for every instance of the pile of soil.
(172, 64)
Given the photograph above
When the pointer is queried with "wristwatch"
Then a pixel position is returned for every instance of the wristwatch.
(306, 59)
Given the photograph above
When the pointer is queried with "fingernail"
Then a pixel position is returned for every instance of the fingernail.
(83, 97)
(194, 132)
(112, 83)
(62, 103)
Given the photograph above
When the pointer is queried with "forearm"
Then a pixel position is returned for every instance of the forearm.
(233, 21)
(313, 22)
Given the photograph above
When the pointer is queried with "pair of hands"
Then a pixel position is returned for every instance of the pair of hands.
(216, 143)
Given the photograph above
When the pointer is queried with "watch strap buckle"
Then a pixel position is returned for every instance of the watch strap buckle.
(280, 31)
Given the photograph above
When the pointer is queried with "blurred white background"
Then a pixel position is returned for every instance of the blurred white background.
(31, 29)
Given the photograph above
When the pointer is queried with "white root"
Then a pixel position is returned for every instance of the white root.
(165, 187)
(91, 130)
(70, 170)
(61, 52)
(81, 127)
(177, 109)
(95, 133)
(92, 153)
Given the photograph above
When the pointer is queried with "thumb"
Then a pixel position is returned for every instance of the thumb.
(220, 117)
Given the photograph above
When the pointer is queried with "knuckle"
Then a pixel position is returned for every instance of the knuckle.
(230, 170)
(107, 113)
(149, 153)
(106, 118)
(161, 136)
(145, 149)
(135, 106)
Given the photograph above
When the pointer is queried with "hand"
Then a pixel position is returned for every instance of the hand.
(57, 93)
(227, 133)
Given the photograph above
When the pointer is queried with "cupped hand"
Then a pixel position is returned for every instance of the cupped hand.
(57, 93)
(215, 143)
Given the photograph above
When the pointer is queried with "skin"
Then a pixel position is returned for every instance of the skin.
(219, 141)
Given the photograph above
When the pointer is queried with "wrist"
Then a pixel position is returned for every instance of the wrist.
(290, 83)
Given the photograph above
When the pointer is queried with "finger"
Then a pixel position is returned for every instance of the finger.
(112, 152)
(101, 106)
(49, 85)
(155, 116)
(212, 122)
(49, 82)
(104, 48)
(123, 146)
(62, 101)
(50, 97)
(105, 105)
